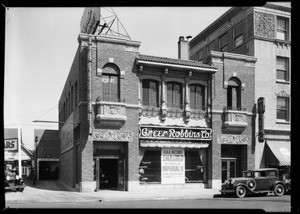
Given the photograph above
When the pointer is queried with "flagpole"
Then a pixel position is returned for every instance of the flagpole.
(19, 151)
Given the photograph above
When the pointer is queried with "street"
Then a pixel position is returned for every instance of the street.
(269, 204)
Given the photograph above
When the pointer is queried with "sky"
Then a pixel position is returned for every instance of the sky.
(40, 45)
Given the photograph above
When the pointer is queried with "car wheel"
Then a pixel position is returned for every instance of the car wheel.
(240, 192)
(279, 190)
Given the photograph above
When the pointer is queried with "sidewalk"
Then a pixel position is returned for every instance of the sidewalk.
(57, 192)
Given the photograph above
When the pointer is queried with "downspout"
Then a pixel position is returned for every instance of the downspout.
(90, 84)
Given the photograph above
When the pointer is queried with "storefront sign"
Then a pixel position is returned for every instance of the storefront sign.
(175, 133)
(261, 111)
(233, 139)
(90, 20)
(11, 144)
(105, 135)
(172, 166)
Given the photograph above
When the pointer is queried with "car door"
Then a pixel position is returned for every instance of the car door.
(261, 181)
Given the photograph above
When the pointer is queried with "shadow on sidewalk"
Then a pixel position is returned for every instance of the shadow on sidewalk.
(54, 185)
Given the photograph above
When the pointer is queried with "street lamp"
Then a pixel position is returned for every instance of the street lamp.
(35, 171)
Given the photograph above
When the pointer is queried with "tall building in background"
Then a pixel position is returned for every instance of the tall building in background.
(265, 33)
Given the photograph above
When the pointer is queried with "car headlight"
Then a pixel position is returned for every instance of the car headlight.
(17, 177)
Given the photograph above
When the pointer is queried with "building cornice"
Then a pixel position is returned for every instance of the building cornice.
(115, 40)
(233, 56)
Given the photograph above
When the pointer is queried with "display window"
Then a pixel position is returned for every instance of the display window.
(150, 167)
(193, 167)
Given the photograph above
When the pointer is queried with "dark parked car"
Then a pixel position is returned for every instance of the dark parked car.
(13, 181)
(257, 181)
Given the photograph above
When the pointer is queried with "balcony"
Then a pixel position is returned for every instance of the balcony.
(235, 119)
(111, 114)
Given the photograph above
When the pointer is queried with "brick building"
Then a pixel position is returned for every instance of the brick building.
(46, 154)
(139, 122)
(264, 33)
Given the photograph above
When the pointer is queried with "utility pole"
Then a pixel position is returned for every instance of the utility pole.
(19, 152)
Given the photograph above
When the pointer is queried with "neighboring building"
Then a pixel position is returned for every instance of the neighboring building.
(48, 153)
(11, 154)
(265, 33)
(137, 122)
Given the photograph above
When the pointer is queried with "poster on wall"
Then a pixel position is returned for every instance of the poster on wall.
(172, 166)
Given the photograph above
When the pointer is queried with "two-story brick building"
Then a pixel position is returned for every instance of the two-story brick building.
(137, 122)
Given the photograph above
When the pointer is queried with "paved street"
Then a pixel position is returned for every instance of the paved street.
(53, 194)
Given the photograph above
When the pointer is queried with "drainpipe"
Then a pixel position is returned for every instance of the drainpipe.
(90, 83)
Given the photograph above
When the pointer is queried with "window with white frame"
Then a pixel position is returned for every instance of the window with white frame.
(283, 108)
(282, 28)
(282, 68)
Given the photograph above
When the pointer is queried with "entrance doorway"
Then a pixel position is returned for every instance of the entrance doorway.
(228, 168)
(108, 174)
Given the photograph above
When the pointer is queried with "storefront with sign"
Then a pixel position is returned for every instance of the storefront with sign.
(173, 155)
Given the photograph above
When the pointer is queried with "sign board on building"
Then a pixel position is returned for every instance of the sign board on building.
(261, 111)
(110, 135)
(172, 166)
(175, 133)
(90, 20)
(11, 144)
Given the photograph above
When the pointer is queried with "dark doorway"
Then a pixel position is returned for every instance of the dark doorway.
(48, 170)
(109, 174)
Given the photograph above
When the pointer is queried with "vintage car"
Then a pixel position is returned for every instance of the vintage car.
(257, 181)
(13, 181)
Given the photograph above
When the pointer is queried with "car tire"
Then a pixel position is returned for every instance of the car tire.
(240, 192)
(279, 190)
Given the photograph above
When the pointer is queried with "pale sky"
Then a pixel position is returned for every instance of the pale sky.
(40, 45)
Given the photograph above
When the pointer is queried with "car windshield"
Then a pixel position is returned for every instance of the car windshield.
(248, 174)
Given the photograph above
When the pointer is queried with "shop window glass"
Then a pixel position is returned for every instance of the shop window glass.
(193, 167)
(197, 96)
(234, 94)
(282, 28)
(150, 167)
(282, 108)
(282, 66)
(110, 83)
(150, 93)
(174, 95)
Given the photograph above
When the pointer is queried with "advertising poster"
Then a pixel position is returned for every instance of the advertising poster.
(172, 166)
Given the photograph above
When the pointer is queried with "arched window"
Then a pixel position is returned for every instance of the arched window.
(234, 94)
(111, 83)
(150, 92)
(197, 96)
(174, 94)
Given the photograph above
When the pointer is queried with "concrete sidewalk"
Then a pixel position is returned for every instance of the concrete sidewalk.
(56, 192)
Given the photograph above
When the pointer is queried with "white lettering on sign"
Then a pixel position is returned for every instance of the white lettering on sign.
(11, 144)
(175, 133)
(113, 135)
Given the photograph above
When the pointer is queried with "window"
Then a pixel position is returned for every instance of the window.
(72, 101)
(197, 96)
(110, 83)
(193, 166)
(150, 93)
(223, 45)
(282, 108)
(76, 94)
(282, 68)
(174, 94)
(150, 167)
(238, 35)
(234, 94)
(282, 28)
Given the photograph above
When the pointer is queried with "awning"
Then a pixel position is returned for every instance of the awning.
(169, 144)
(12, 156)
(278, 153)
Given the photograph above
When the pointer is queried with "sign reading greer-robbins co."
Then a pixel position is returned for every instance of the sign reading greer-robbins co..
(175, 133)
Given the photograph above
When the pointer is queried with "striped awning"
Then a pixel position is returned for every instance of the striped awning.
(170, 144)
(278, 153)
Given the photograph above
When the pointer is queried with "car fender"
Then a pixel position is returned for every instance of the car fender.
(279, 182)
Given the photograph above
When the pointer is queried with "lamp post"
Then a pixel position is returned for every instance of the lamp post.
(36, 139)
